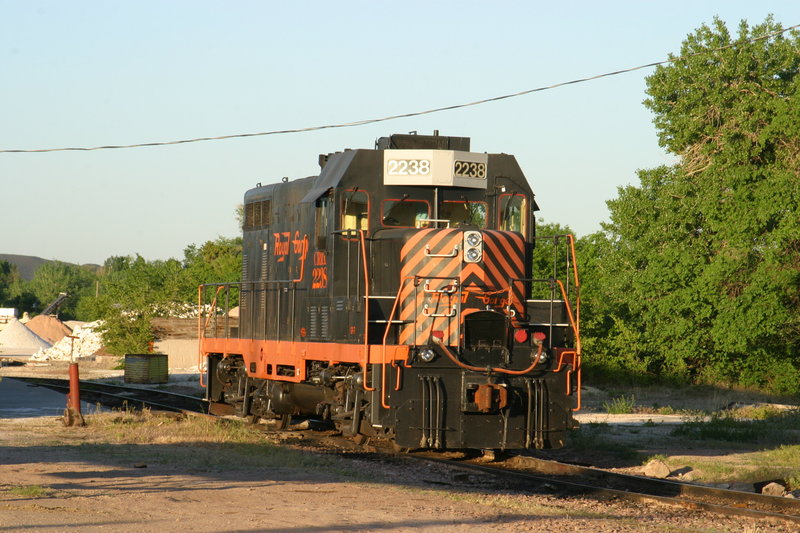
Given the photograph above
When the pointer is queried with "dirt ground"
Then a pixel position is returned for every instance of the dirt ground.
(109, 477)
(118, 477)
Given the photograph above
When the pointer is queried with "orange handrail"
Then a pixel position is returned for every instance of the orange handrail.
(200, 334)
(571, 240)
(453, 358)
(366, 309)
(201, 328)
(573, 324)
(386, 336)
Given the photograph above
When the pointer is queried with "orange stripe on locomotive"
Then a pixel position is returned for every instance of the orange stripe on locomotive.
(433, 268)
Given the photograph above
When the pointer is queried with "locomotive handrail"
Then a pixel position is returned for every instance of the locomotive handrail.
(439, 342)
(454, 253)
(385, 337)
(213, 313)
(574, 266)
(361, 234)
(423, 221)
(572, 319)
(450, 314)
(449, 289)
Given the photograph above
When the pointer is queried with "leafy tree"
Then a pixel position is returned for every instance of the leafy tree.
(9, 278)
(701, 264)
(134, 290)
(215, 261)
(55, 277)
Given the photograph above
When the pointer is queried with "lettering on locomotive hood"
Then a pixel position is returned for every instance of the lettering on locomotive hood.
(442, 168)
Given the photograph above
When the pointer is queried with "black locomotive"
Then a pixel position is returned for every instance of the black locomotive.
(392, 295)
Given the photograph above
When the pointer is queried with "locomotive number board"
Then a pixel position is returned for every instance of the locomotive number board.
(441, 168)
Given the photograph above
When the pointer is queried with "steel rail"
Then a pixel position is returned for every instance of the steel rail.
(119, 396)
(642, 490)
(666, 487)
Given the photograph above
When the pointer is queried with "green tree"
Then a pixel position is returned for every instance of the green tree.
(134, 290)
(55, 277)
(701, 264)
(9, 277)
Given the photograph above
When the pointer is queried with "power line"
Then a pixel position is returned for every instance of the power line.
(406, 115)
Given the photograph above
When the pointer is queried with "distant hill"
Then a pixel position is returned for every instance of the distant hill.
(27, 264)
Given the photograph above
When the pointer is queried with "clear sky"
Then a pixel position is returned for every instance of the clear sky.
(95, 73)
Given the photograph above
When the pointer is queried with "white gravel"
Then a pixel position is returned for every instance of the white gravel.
(87, 343)
(16, 335)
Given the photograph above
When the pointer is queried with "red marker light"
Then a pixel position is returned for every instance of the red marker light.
(521, 335)
(438, 334)
(539, 336)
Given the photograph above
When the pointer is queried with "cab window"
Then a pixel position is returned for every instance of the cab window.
(404, 212)
(355, 210)
(513, 213)
(462, 213)
(321, 221)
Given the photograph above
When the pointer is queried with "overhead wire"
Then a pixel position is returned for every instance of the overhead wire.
(411, 114)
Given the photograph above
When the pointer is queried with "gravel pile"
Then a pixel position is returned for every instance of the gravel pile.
(87, 343)
(16, 335)
(49, 328)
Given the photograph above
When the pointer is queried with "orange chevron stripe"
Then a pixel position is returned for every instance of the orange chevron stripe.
(499, 258)
(412, 242)
(429, 266)
(516, 253)
(422, 265)
(498, 262)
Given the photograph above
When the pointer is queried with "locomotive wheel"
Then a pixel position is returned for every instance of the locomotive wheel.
(284, 421)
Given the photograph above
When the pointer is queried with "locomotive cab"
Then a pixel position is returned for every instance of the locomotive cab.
(393, 294)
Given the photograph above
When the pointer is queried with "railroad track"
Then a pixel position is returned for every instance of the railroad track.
(118, 396)
(538, 474)
(526, 472)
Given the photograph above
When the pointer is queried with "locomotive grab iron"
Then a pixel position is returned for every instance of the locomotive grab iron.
(393, 295)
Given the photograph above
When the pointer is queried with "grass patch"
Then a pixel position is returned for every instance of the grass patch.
(779, 463)
(620, 405)
(30, 491)
(779, 427)
(195, 444)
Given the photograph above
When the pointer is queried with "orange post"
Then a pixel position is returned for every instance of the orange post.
(72, 414)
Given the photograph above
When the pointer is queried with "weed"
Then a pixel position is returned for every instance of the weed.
(620, 405)
(30, 491)
(756, 412)
(657, 457)
(726, 427)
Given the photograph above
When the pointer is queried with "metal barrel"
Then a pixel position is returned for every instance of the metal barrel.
(146, 368)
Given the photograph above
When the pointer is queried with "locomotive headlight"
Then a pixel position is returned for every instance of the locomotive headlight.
(473, 255)
(473, 246)
(473, 238)
(427, 355)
